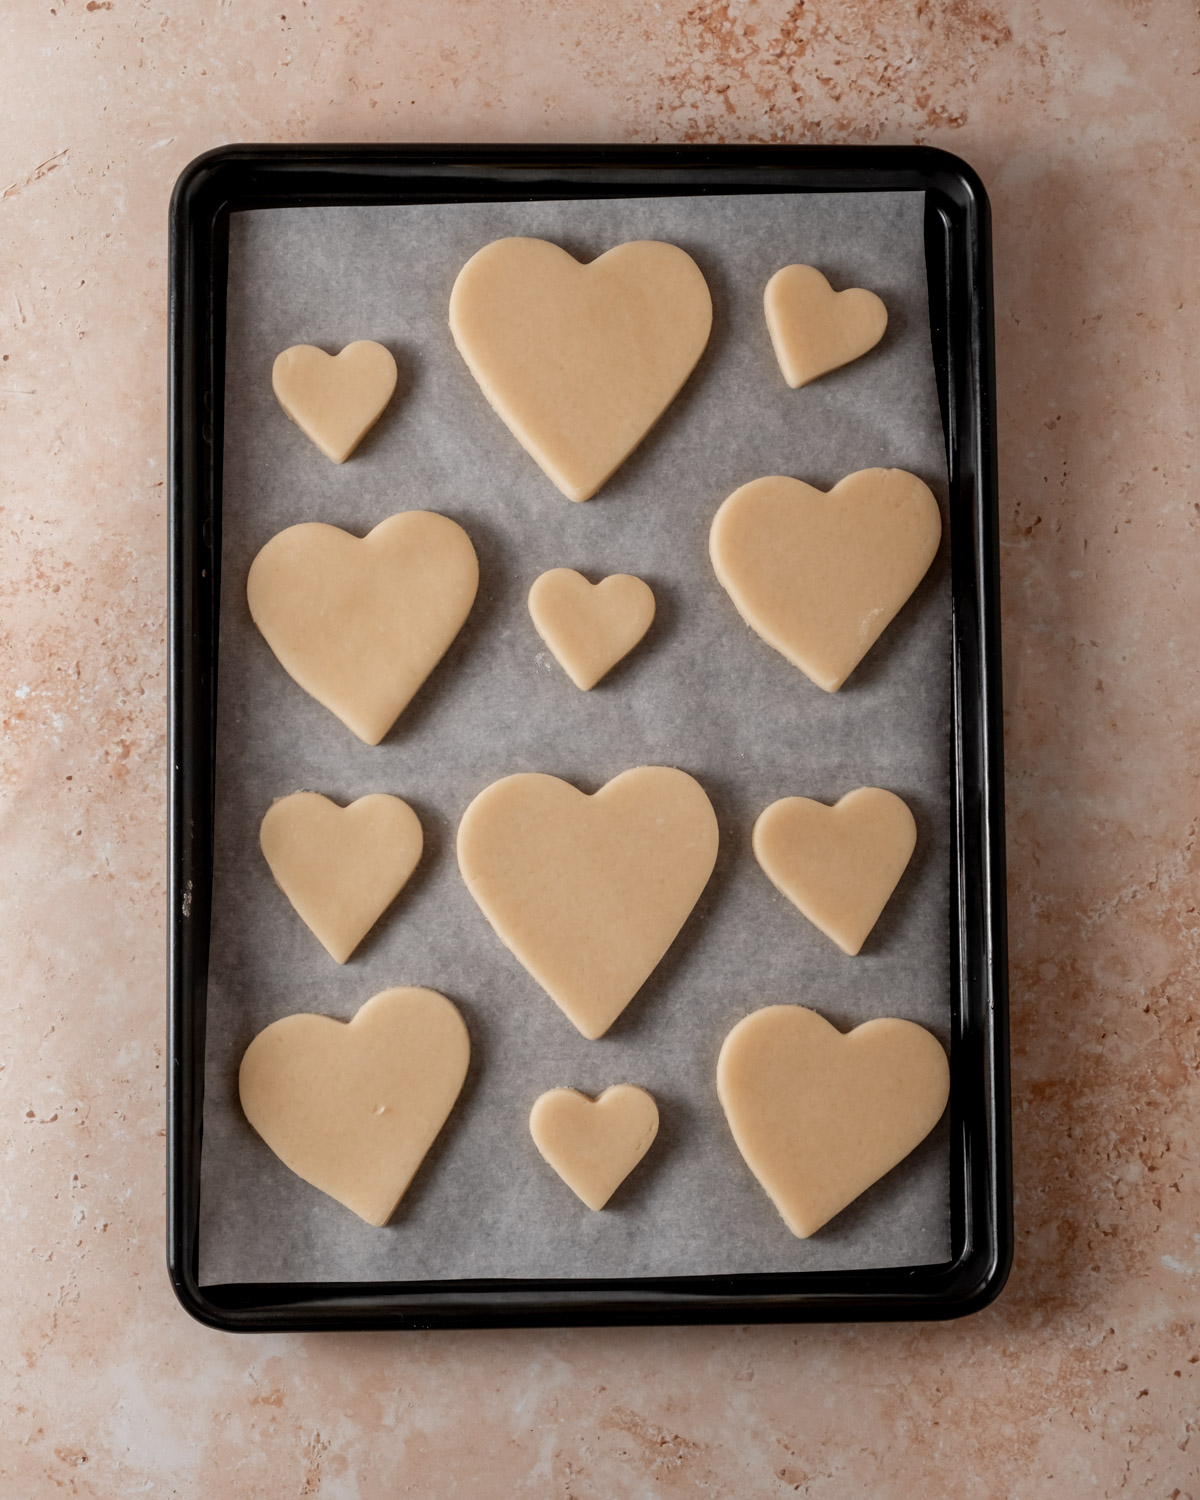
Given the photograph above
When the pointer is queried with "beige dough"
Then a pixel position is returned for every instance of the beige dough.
(580, 361)
(589, 892)
(590, 627)
(819, 1116)
(360, 624)
(594, 1144)
(335, 399)
(353, 1108)
(820, 576)
(815, 329)
(340, 867)
(837, 864)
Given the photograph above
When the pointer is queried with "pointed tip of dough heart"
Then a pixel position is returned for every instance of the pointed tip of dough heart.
(368, 735)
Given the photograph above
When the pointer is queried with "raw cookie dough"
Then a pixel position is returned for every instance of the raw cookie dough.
(819, 1116)
(594, 1144)
(815, 329)
(353, 1108)
(580, 361)
(335, 399)
(821, 576)
(590, 627)
(589, 892)
(340, 867)
(360, 624)
(837, 864)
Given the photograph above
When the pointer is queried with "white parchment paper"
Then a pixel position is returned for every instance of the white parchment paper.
(702, 692)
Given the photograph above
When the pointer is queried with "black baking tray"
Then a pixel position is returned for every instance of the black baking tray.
(958, 258)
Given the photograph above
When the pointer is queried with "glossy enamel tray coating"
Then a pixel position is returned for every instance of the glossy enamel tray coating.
(957, 240)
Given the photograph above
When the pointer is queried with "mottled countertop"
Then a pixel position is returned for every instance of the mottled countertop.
(1084, 121)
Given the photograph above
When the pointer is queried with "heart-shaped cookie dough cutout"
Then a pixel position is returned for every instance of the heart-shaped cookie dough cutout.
(820, 1115)
(837, 864)
(590, 627)
(340, 867)
(353, 1107)
(821, 576)
(589, 892)
(580, 361)
(594, 1144)
(335, 399)
(815, 329)
(360, 624)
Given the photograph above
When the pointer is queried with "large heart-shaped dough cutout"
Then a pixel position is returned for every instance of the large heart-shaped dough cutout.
(819, 1116)
(353, 1108)
(590, 627)
(821, 576)
(335, 399)
(594, 1144)
(360, 624)
(340, 867)
(837, 864)
(589, 892)
(815, 329)
(580, 361)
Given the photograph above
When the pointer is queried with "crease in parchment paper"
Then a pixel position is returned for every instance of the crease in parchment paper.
(701, 692)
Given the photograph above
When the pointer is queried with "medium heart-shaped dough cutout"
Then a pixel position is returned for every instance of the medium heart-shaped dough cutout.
(360, 624)
(594, 1144)
(353, 1107)
(589, 892)
(580, 361)
(819, 1116)
(821, 576)
(815, 329)
(837, 864)
(335, 399)
(340, 867)
(590, 627)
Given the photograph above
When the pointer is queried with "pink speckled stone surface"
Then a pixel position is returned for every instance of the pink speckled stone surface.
(1084, 120)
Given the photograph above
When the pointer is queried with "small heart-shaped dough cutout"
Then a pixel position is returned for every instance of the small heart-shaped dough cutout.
(837, 864)
(588, 893)
(594, 1144)
(815, 329)
(580, 361)
(353, 1107)
(335, 399)
(821, 576)
(340, 867)
(360, 624)
(590, 627)
(819, 1115)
